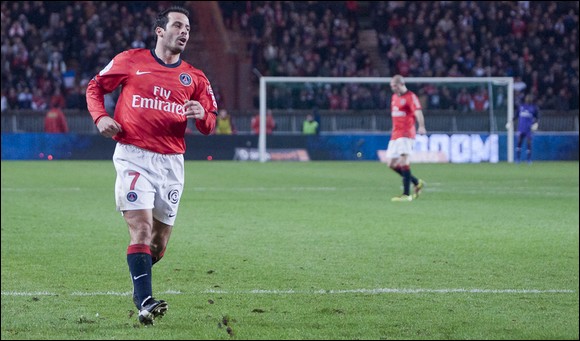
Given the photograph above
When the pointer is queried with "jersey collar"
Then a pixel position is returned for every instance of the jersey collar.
(174, 65)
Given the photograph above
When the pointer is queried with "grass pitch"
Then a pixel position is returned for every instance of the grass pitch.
(299, 251)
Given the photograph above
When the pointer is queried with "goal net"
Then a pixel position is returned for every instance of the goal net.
(362, 104)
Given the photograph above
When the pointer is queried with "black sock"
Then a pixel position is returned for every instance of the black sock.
(139, 261)
(414, 180)
(397, 170)
(406, 172)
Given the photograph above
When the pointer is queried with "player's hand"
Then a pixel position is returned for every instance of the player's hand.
(535, 126)
(422, 131)
(193, 109)
(108, 127)
(508, 125)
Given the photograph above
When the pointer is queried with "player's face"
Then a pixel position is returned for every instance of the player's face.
(176, 33)
(396, 87)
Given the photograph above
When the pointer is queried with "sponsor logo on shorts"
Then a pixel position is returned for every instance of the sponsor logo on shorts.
(132, 196)
(173, 196)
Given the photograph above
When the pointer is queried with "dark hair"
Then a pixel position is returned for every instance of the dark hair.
(162, 19)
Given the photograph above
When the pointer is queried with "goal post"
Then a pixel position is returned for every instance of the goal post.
(457, 82)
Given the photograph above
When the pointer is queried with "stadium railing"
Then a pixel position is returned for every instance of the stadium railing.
(332, 121)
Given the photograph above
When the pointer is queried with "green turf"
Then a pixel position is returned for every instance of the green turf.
(299, 251)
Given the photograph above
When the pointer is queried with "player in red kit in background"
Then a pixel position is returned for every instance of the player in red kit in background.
(160, 92)
(406, 111)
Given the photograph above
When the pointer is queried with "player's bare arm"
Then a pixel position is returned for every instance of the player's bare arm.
(421, 122)
(108, 127)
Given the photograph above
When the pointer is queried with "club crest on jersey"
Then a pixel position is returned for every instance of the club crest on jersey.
(403, 101)
(173, 196)
(131, 196)
(185, 79)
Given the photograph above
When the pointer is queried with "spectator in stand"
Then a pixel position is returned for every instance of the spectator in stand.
(334, 100)
(57, 99)
(4, 101)
(38, 101)
(550, 101)
(25, 99)
(563, 102)
(55, 121)
(76, 98)
(270, 123)
(12, 98)
(224, 124)
(56, 64)
(479, 100)
(309, 126)
(463, 100)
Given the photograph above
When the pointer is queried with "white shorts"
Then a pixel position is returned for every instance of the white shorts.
(400, 146)
(148, 180)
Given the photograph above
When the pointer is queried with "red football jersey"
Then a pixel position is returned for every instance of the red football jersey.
(403, 114)
(150, 106)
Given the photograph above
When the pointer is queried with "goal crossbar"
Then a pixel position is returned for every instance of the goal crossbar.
(265, 80)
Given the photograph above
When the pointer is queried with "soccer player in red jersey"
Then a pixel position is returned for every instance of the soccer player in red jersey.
(160, 92)
(406, 111)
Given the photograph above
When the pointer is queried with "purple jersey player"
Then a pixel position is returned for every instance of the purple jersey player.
(528, 117)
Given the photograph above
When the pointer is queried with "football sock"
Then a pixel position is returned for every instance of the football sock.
(406, 173)
(397, 170)
(139, 260)
(518, 153)
(414, 180)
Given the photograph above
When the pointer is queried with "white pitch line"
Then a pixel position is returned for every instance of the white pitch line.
(394, 291)
(34, 293)
(376, 291)
(38, 189)
(261, 189)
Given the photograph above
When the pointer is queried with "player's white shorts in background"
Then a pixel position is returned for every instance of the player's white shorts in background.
(148, 180)
(400, 146)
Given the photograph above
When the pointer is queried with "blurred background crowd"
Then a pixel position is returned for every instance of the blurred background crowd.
(50, 50)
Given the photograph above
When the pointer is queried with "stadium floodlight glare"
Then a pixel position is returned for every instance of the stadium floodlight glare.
(489, 83)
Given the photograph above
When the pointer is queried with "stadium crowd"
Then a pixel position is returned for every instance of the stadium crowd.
(50, 50)
(534, 42)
